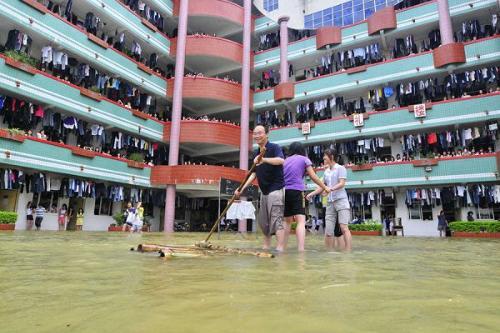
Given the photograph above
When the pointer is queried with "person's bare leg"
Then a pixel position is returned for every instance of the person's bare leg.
(280, 237)
(300, 231)
(267, 243)
(329, 242)
(288, 229)
(339, 243)
(347, 236)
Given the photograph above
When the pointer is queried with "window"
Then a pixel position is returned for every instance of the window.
(103, 206)
(419, 211)
(270, 5)
(46, 200)
(344, 14)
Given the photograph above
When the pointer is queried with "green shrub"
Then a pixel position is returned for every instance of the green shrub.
(119, 218)
(479, 226)
(8, 217)
(365, 227)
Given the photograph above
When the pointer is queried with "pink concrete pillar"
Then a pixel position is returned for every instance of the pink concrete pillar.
(445, 27)
(173, 154)
(283, 22)
(245, 94)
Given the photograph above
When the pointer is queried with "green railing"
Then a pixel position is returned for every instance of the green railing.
(452, 171)
(49, 158)
(454, 112)
(390, 72)
(67, 98)
(65, 35)
(421, 14)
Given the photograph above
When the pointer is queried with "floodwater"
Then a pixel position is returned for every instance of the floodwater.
(91, 282)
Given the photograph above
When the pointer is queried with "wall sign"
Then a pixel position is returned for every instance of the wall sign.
(358, 119)
(420, 110)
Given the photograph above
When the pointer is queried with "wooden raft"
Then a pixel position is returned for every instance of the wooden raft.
(198, 250)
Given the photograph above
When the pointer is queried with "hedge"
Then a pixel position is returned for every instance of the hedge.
(7, 217)
(365, 227)
(479, 226)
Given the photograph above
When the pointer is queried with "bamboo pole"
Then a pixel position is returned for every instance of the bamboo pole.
(216, 224)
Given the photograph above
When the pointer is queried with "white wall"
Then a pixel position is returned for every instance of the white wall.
(415, 227)
(93, 222)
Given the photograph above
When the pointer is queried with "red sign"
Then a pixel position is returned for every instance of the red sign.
(420, 110)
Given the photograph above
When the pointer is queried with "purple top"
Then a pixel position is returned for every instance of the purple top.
(294, 171)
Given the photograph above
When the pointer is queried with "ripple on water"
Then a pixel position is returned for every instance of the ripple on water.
(93, 283)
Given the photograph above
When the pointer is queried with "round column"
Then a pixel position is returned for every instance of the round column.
(445, 27)
(283, 22)
(245, 94)
(173, 154)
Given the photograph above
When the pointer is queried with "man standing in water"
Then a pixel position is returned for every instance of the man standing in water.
(269, 173)
(338, 209)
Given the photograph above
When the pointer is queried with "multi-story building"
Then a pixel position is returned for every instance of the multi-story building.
(153, 101)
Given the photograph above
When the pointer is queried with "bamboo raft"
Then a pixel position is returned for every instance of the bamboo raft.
(201, 249)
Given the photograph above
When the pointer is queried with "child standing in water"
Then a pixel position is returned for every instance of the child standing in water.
(79, 220)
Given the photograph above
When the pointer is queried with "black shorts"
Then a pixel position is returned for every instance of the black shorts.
(38, 221)
(337, 232)
(295, 203)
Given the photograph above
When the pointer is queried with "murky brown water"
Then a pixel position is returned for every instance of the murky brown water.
(91, 282)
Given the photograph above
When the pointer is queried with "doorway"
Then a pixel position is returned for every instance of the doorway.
(74, 205)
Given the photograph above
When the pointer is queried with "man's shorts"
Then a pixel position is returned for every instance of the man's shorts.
(271, 212)
(338, 211)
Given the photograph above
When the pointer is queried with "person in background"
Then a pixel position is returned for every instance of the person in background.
(296, 166)
(39, 214)
(79, 220)
(470, 216)
(62, 217)
(129, 216)
(29, 216)
(139, 218)
(442, 224)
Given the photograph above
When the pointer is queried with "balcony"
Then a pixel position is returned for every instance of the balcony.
(40, 87)
(115, 11)
(53, 157)
(221, 17)
(204, 54)
(418, 17)
(448, 171)
(478, 53)
(201, 137)
(204, 95)
(193, 180)
(453, 112)
(53, 29)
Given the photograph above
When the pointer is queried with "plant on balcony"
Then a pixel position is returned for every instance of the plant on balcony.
(136, 157)
(95, 89)
(22, 57)
(479, 226)
(15, 131)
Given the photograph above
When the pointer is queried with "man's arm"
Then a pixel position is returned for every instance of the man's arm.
(273, 160)
(248, 182)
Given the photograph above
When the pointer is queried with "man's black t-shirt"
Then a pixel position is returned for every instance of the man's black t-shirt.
(270, 177)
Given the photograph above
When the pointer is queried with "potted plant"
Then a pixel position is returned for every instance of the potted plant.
(475, 229)
(136, 160)
(7, 220)
(119, 219)
(369, 228)
(13, 134)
